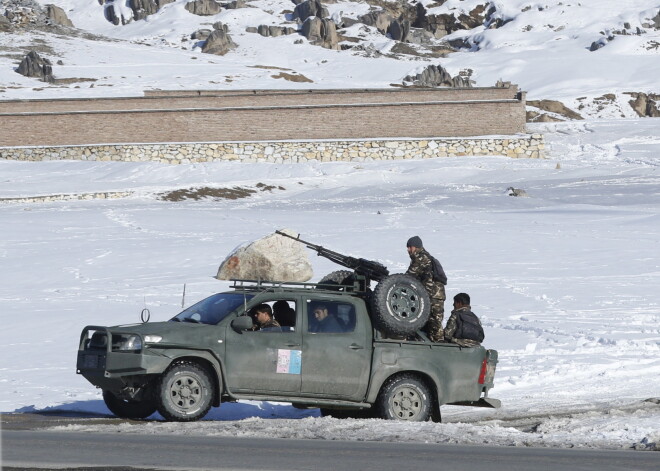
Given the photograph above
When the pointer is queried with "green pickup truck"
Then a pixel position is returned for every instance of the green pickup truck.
(209, 354)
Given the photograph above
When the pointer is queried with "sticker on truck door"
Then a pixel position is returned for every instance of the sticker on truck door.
(289, 361)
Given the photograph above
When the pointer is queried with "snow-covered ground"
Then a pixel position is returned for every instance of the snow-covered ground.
(543, 46)
(565, 280)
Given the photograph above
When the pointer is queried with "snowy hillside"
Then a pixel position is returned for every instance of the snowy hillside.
(586, 54)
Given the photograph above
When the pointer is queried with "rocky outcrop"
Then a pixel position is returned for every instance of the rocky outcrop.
(557, 108)
(645, 104)
(219, 42)
(437, 76)
(234, 5)
(321, 32)
(271, 30)
(143, 8)
(201, 34)
(378, 19)
(271, 258)
(309, 8)
(33, 65)
(203, 7)
(399, 30)
(56, 16)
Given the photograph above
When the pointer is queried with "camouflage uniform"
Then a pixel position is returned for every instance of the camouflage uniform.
(421, 268)
(451, 327)
(265, 325)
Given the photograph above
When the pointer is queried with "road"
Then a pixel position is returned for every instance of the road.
(45, 449)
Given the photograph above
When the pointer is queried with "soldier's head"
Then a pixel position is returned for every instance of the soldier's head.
(263, 313)
(414, 244)
(461, 300)
(320, 312)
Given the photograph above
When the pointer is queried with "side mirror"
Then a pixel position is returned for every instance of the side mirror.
(242, 323)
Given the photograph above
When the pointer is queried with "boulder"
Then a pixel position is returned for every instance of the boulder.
(235, 5)
(143, 8)
(219, 43)
(33, 65)
(645, 105)
(5, 24)
(271, 258)
(203, 7)
(321, 32)
(437, 76)
(399, 30)
(378, 19)
(201, 34)
(56, 16)
(310, 8)
(556, 107)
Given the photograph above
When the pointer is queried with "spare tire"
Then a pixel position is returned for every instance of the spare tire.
(400, 305)
(337, 280)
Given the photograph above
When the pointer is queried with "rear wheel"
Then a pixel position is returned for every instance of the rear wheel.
(185, 392)
(405, 397)
(130, 409)
(401, 305)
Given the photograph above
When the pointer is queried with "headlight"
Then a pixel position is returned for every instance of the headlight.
(152, 338)
(128, 343)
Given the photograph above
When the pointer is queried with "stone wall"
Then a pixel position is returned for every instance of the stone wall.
(521, 146)
(265, 115)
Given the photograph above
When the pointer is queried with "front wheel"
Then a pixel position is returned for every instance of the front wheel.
(129, 409)
(185, 393)
(405, 397)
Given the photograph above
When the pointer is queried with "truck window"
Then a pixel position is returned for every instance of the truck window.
(284, 313)
(330, 317)
(212, 309)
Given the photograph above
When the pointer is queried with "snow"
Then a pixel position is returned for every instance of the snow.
(544, 48)
(564, 280)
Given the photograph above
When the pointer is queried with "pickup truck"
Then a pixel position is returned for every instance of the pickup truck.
(209, 354)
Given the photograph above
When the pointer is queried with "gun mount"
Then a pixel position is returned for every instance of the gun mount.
(368, 269)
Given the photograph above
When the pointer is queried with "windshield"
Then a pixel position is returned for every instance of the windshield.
(212, 309)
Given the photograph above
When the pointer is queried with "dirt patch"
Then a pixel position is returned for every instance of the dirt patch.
(292, 77)
(197, 194)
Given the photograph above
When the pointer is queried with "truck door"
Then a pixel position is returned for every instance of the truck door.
(268, 360)
(336, 352)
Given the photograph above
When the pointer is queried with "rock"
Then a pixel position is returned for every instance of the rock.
(602, 42)
(432, 76)
(235, 5)
(556, 107)
(221, 25)
(645, 105)
(378, 19)
(398, 30)
(33, 65)
(251, 29)
(321, 32)
(201, 34)
(57, 16)
(511, 191)
(263, 30)
(271, 258)
(219, 43)
(203, 7)
(310, 8)
(143, 8)
(5, 24)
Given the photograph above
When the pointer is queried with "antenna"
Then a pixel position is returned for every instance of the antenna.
(183, 297)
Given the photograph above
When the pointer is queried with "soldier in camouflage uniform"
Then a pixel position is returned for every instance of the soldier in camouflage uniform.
(421, 267)
(461, 304)
(263, 317)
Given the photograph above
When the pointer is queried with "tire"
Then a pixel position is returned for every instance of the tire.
(400, 305)
(130, 409)
(405, 397)
(184, 393)
(340, 278)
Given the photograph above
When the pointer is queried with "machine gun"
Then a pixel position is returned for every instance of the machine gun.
(368, 268)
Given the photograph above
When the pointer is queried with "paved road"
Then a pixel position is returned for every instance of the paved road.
(37, 449)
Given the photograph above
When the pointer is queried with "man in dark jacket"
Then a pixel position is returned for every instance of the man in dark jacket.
(421, 267)
(463, 323)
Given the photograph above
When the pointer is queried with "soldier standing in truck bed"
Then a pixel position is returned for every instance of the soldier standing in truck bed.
(434, 280)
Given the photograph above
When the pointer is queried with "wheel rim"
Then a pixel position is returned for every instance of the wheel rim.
(404, 303)
(186, 392)
(406, 403)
